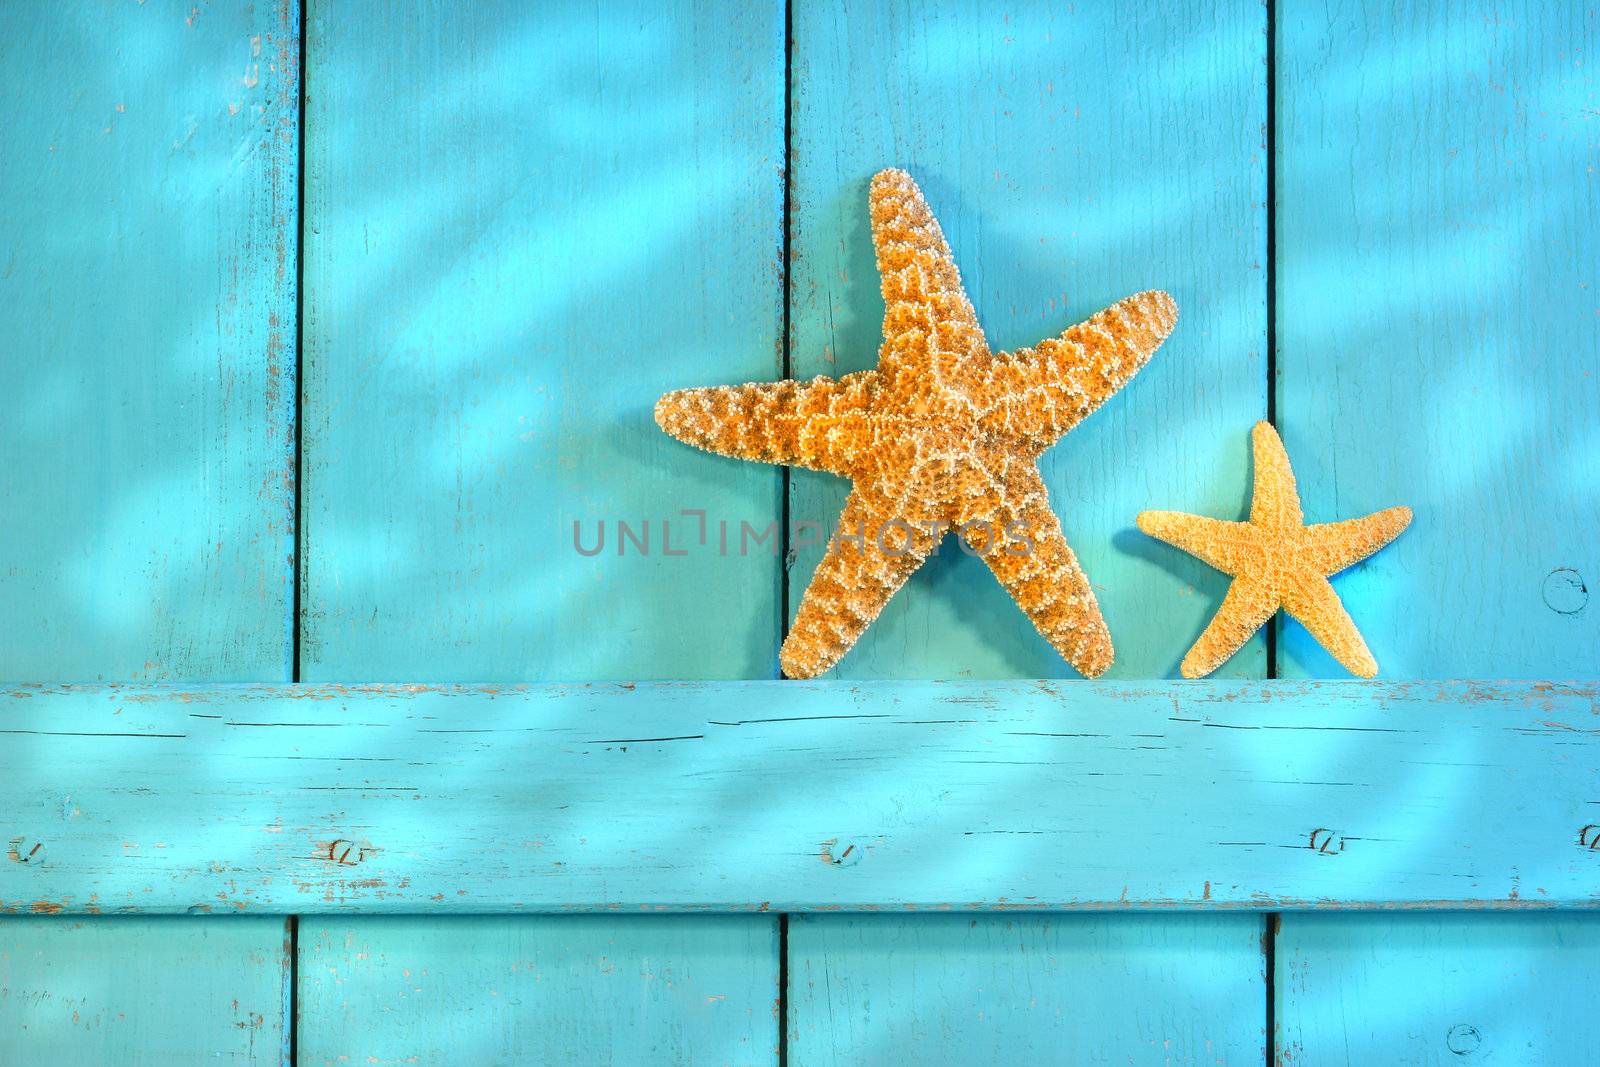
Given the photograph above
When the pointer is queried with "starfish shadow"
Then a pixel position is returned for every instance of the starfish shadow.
(1208, 583)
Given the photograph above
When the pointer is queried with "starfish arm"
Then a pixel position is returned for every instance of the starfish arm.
(1333, 546)
(798, 423)
(1028, 552)
(1042, 392)
(1320, 611)
(1247, 605)
(929, 326)
(874, 551)
(1219, 543)
(1275, 501)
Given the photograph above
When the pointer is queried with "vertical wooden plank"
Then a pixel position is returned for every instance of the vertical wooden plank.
(148, 167)
(1438, 989)
(143, 991)
(1438, 242)
(1024, 989)
(524, 989)
(1073, 156)
(524, 223)
(577, 209)
(148, 163)
(1439, 342)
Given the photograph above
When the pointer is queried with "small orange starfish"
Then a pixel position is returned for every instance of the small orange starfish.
(1277, 561)
(943, 436)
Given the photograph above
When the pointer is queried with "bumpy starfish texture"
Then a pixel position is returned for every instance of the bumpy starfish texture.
(943, 436)
(1277, 561)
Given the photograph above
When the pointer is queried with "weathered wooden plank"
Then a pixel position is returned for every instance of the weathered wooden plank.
(1024, 989)
(800, 796)
(148, 164)
(490, 316)
(1437, 236)
(143, 991)
(1438, 989)
(148, 168)
(1439, 227)
(578, 208)
(539, 989)
(1073, 155)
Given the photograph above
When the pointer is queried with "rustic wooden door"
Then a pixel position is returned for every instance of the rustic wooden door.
(327, 323)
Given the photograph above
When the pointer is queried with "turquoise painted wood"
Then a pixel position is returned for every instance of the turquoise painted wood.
(1430, 989)
(495, 296)
(579, 208)
(1019, 989)
(144, 992)
(538, 989)
(788, 796)
(148, 168)
(1439, 335)
(479, 256)
(148, 163)
(1438, 235)
(1073, 155)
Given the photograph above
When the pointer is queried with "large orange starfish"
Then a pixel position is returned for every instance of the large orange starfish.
(1277, 561)
(943, 436)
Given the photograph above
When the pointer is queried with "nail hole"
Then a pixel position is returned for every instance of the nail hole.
(344, 853)
(1326, 841)
(25, 850)
(1463, 1039)
(1564, 591)
(847, 854)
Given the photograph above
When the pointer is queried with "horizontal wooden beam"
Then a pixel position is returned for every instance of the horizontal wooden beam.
(799, 796)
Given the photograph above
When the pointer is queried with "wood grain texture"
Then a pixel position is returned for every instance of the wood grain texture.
(1439, 323)
(577, 208)
(1073, 157)
(1021, 989)
(801, 796)
(1432, 989)
(496, 294)
(148, 167)
(539, 989)
(143, 992)
(148, 163)
(1439, 341)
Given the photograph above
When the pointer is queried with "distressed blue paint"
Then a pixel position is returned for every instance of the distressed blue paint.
(143, 992)
(539, 989)
(577, 209)
(1021, 989)
(750, 795)
(1437, 222)
(148, 164)
(1435, 990)
(1073, 156)
(148, 168)
(1437, 252)
(1439, 324)
(495, 296)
